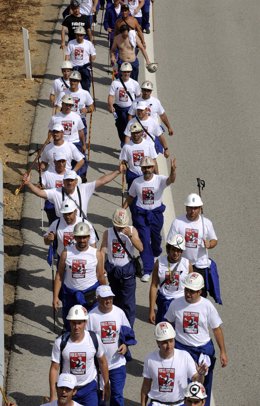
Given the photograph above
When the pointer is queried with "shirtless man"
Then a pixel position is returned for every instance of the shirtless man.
(126, 50)
(129, 20)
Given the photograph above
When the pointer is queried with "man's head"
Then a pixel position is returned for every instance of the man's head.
(175, 247)
(105, 296)
(193, 205)
(75, 78)
(67, 103)
(57, 132)
(147, 165)
(60, 162)
(136, 132)
(66, 68)
(116, 3)
(195, 394)
(80, 32)
(66, 389)
(193, 284)
(70, 181)
(75, 7)
(124, 30)
(125, 10)
(81, 234)
(77, 317)
(141, 110)
(125, 70)
(164, 335)
(147, 88)
(69, 211)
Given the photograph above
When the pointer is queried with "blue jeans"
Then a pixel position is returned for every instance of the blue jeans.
(135, 66)
(87, 395)
(117, 379)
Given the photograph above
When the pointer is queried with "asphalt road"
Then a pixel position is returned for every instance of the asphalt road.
(208, 82)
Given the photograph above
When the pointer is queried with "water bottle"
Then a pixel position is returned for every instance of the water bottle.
(115, 115)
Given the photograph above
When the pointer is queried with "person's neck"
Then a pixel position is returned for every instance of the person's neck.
(58, 143)
(166, 356)
(77, 339)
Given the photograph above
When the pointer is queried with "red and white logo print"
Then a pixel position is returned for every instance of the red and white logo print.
(68, 238)
(108, 332)
(191, 237)
(117, 249)
(166, 377)
(148, 195)
(137, 157)
(190, 322)
(67, 127)
(78, 54)
(79, 268)
(78, 363)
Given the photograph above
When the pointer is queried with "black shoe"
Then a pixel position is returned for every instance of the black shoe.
(147, 31)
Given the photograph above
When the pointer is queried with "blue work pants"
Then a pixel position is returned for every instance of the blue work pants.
(87, 395)
(117, 379)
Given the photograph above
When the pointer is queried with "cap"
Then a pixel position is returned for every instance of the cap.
(58, 127)
(68, 206)
(136, 128)
(75, 75)
(80, 30)
(74, 3)
(120, 218)
(67, 99)
(70, 175)
(104, 291)
(147, 161)
(141, 105)
(59, 156)
(67, 381)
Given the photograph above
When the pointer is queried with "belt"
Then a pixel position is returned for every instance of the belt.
(168, 403)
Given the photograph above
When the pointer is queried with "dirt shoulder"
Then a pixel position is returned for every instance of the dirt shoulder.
(18, 101)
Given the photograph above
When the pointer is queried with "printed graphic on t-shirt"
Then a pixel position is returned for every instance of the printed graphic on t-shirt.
(68, 238)
(108, 332)
(137, 156)
(123, 96)
(149, 110)
(67, 127)
(148, 195)
(166, 378)
(172, 278)
(191, 237)
(78, 53)
(76, 104)
(117, 249)
(78, 363)
(58, 184)
(79, 268)
(190, 322)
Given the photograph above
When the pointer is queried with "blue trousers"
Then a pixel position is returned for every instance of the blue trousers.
(162, 307)
(87, 395)
(121, 122)
(117, 379)
(149, 225)
(123, 284)
(135, 66)
(83, 170)
(85, 75)
(195, 352)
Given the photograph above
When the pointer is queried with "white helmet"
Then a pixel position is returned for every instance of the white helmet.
(147, 85)
(67, 99)
(80, 30)
(81, 230)
(77, 312)
(193, 200)
(164, 331)
(177, 241)
(120, 218)
(152, 67)
(68, 206)
(66, 65)
(75, 75)
(126, 67)
(136, 127)
(195, 390)
(194, 281)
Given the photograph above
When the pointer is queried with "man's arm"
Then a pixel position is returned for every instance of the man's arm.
(53, 375)
(110, 102)
(209, 244)
(58, 280)
(34, 189)
(83, 142)
(219, 336)
(103, 247)
(63, 37)
(100, 269)
(105, 375)
(113, 50)
(166, 122)
(128, 202)
(172, 176)
(142, 49)
(139, 32)
(146, 386)
(163, 142)
(79, 164)
(103, 180)
(153, 293)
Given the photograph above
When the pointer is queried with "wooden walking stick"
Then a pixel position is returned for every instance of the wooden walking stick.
(153, 15)
(123, 188)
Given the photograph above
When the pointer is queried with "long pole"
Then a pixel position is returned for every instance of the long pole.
(201, 184)
(89, 134)
(123, 188)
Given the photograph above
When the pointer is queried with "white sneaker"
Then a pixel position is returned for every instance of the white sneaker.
(145, 277)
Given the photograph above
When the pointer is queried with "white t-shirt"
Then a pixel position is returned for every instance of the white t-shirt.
(169, 376)
(70, 151)
(55, 403)
(78, 358)
(149, 193)
(192, 320)
(79, 53)
(72, 124)
(86, 191)
(58, 86)
(133, 153)
(133, 4)
(51, 179)
(65, 235)
(121, 97)
(193, 231)
(107, 326)
(81, 99)
(151, 125)
(153, 104)
(85, 7)
(171, 277)
(116, 254)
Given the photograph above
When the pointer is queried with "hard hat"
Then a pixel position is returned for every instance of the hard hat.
(164, 331)
(80, 30)
(67, 381)
(58, 127)
(193, 200)
(68, 206)
(177, 241)
(147, 85)
(66, 65)
(59, 156)
(67, 99)
(141, 105)
(120, 218)
(195, 390)
(77, 312)
(75, 75)
(147, 161)
(136, 127)
(81, 230)
(70, 175)
(104, 291)
(126, 67)
(194, 281)
(152, 67)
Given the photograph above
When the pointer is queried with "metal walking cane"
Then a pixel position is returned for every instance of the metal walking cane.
(40, 183)
(123, 188)
(201, 184)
